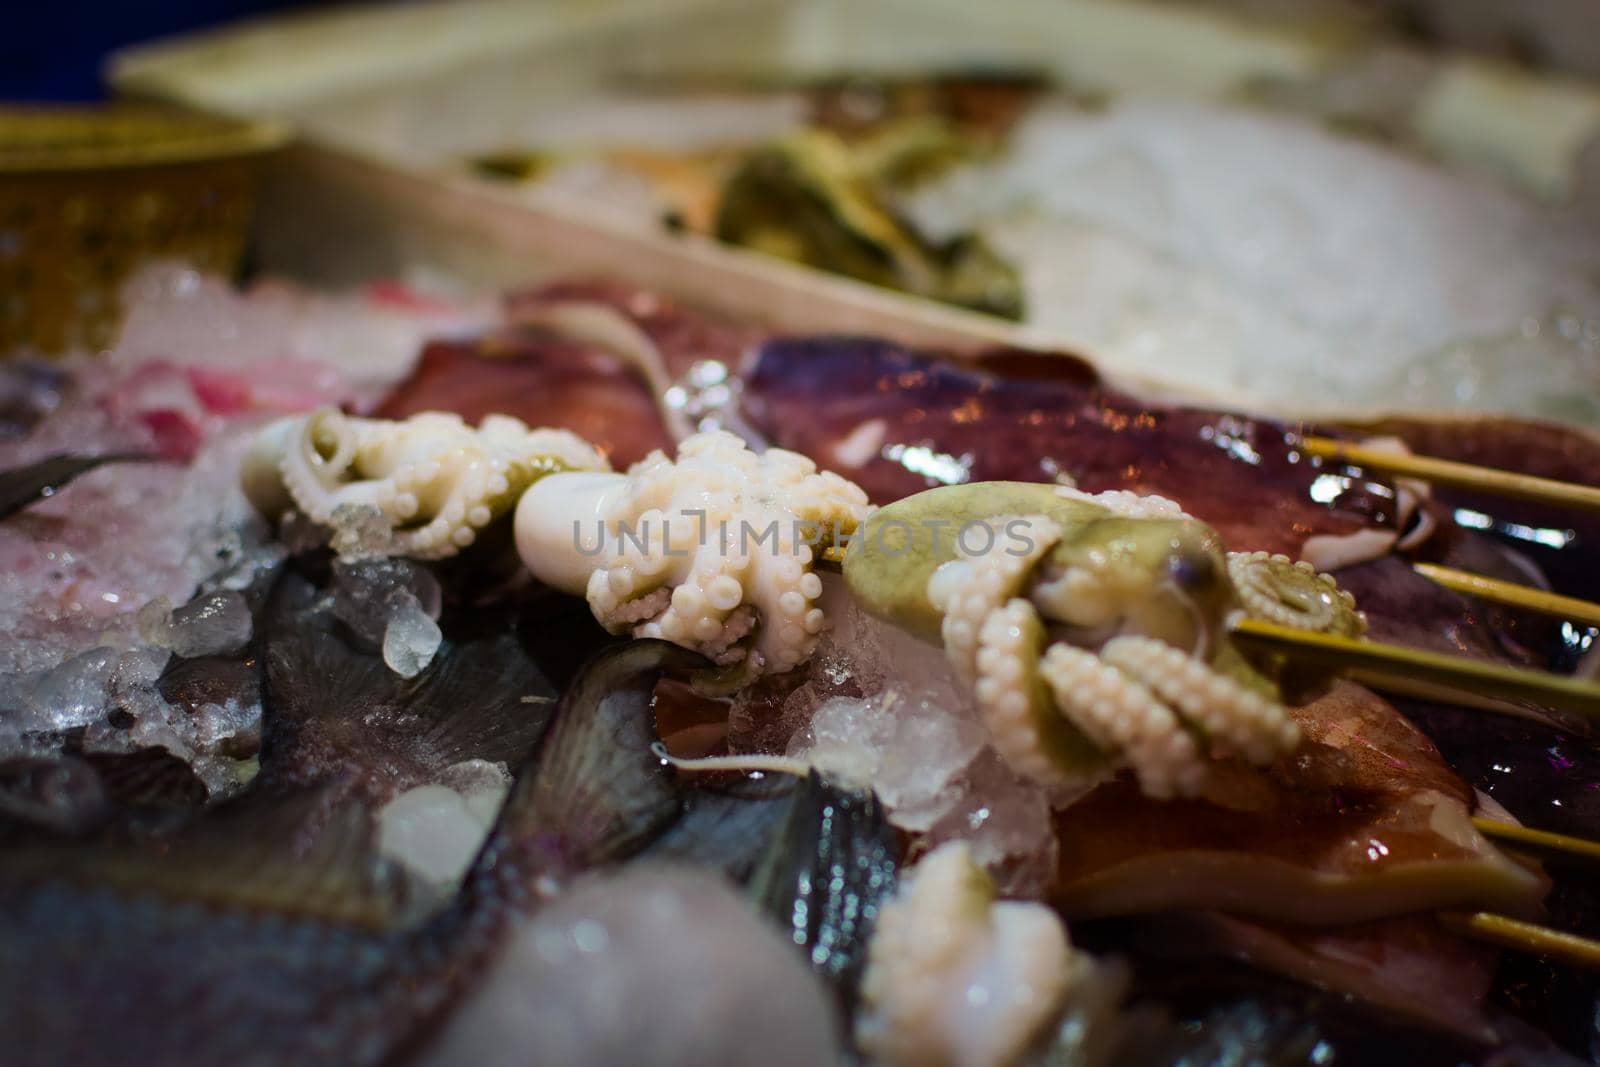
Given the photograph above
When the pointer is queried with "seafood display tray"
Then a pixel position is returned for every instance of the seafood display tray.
(389, 101)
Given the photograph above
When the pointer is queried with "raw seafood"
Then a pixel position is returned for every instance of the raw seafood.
(1368, 822)
(301, 951)
(422, 487)
(957, 979)
(414, 750)
(734, 582)
(1136, 667)
(599, 977)
(897, 421)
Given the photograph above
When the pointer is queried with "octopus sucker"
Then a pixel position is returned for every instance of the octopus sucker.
(1226, 711)
(712, 551)
(422, 487)
(1125, 717)
(1094, 628)
(1276, 589)
(967, 591)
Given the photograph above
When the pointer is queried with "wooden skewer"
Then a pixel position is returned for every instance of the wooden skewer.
(1543, 840)
(1518, 596)
(1460, 475)
(1409, 670)
(1525, 936)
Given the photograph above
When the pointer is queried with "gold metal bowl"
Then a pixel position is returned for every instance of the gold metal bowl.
(89, 194)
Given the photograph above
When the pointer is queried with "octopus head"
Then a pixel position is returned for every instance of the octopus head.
(1164, 578)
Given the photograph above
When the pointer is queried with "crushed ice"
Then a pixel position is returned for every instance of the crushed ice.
(134, 570)
(877, 705)
(1230, 249)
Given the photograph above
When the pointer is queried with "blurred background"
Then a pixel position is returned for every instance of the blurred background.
(62, 48)
(1229, 196)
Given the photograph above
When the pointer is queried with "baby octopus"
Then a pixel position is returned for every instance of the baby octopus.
(957, 978)
(1093, 628)
(713, 551)
(421, 487)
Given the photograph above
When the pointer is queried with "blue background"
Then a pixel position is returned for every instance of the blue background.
(57, 50)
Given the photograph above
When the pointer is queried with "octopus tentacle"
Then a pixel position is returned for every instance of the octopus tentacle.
(1223, 710)
(1121, 715)
(1128, 504)
(1275, 589)
(968, 591)
(1024, 725)
(944, 935)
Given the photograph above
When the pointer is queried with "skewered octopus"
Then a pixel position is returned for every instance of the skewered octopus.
(1093, 627)
(422, 487)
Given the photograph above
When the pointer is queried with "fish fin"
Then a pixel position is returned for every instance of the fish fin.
(728, 827)
(826, 873)
(596, 793)
(308, 853)
(482, 699)
(333, 707)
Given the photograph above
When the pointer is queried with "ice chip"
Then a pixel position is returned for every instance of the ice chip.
(411, 638)
(360, 532)
(1005, 821)
(432, 832)
(255, 564)
(72, 694)
(369, 592)
(211, 624)
(233, 721)
(138, 668)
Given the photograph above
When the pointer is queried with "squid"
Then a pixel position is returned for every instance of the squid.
(1093, 628)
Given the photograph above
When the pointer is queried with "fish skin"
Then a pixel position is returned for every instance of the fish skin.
(334, 710)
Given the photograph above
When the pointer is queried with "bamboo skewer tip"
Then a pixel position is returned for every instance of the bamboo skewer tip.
(1418, 672)
(1491, 480)
(1511, 593)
